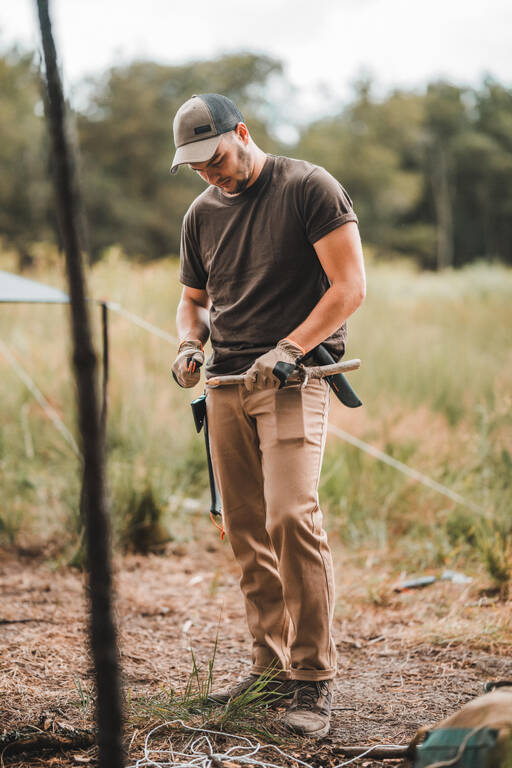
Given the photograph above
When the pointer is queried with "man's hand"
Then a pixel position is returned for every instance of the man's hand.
(186, 368)
(260, 373)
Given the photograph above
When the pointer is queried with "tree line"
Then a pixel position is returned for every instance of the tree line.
(430, 171)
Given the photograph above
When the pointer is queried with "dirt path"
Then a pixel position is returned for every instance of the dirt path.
(404, 660)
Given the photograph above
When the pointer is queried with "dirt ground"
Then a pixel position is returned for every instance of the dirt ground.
(405, 660)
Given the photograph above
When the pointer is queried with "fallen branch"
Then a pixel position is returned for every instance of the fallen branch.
(30, 740)
(381, 752)
(24, 621)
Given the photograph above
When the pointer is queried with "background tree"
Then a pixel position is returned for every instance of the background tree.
(483, 156)
(25, 209)
(429, 171)
(446, 121)
(374, 149)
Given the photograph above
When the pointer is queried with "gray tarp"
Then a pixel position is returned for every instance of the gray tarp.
(18, 289)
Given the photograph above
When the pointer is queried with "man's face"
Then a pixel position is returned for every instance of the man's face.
(231, 166)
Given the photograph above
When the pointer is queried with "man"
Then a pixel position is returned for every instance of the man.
(272, 266)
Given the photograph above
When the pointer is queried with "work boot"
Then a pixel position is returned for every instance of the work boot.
(272, 691)
(310, 710)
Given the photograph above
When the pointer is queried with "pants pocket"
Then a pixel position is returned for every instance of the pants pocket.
(289, 414)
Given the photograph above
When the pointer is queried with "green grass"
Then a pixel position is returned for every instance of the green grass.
(435, 340)
(246, 713)
(435, 382)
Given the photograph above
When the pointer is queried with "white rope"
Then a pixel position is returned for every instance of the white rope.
(201, 751)
(136, 320)
(41, 399)
(412, 473)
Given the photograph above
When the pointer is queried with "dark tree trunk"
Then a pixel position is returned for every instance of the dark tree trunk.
(443, 206)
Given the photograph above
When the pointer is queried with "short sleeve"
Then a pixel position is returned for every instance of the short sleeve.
(192, 271)
(326, 205)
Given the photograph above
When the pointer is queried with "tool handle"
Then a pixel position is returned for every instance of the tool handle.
(313, 372)
(321, 371)
(223, 381)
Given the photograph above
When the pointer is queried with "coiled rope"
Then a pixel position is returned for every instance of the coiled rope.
(203, 754)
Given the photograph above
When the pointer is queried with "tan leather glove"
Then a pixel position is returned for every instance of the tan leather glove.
(186, 368)
(260, 373)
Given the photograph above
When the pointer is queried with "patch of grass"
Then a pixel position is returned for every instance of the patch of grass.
(171, 704)
(246, 713)
(372, 505)
(10, 523)
(75, 556)
(85, 698)
(494, 545)
(140, 524)
(460, 527)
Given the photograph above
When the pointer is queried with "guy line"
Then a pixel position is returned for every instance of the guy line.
(414, 474)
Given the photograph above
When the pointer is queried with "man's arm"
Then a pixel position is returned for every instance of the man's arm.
(341, 256)
(192, 323)
(192, 318)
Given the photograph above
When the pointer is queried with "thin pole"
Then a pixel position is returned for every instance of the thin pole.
(104, 393)
(102, 629)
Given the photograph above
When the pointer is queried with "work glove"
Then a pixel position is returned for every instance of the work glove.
(260, 373)
(186, 368)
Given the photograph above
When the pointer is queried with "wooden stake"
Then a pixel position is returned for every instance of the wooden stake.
(102, 630)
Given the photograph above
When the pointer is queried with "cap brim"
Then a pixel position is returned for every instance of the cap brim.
(195, 152)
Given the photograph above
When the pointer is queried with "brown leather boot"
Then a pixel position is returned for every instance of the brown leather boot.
(273, 692)
(310, 711)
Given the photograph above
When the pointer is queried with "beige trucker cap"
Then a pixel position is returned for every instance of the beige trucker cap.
(198, 126)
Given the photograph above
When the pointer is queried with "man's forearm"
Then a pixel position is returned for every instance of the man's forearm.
(192, 321)
(337, 303)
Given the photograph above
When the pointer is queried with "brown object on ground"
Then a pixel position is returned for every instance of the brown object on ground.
(404, 661)
(16, 743)
(383, 752)
(492, 710)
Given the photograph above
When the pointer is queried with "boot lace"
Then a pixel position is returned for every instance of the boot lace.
(308, 695)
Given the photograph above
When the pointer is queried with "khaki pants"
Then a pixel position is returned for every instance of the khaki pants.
(267, 449)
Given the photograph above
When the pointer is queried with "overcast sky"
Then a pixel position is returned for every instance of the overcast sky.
(325, 44)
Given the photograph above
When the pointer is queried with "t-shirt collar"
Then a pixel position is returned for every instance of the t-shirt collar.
(251, 191)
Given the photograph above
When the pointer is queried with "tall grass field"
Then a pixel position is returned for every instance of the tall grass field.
(435, 381)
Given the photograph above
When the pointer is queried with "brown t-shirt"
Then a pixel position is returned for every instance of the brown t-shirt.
(253, 254)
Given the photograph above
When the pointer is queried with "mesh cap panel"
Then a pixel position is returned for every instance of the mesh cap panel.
(225, 113)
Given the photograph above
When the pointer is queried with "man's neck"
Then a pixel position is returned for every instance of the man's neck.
(259, 158)
(259, 161)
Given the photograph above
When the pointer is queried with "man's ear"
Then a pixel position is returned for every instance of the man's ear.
(242, 132)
